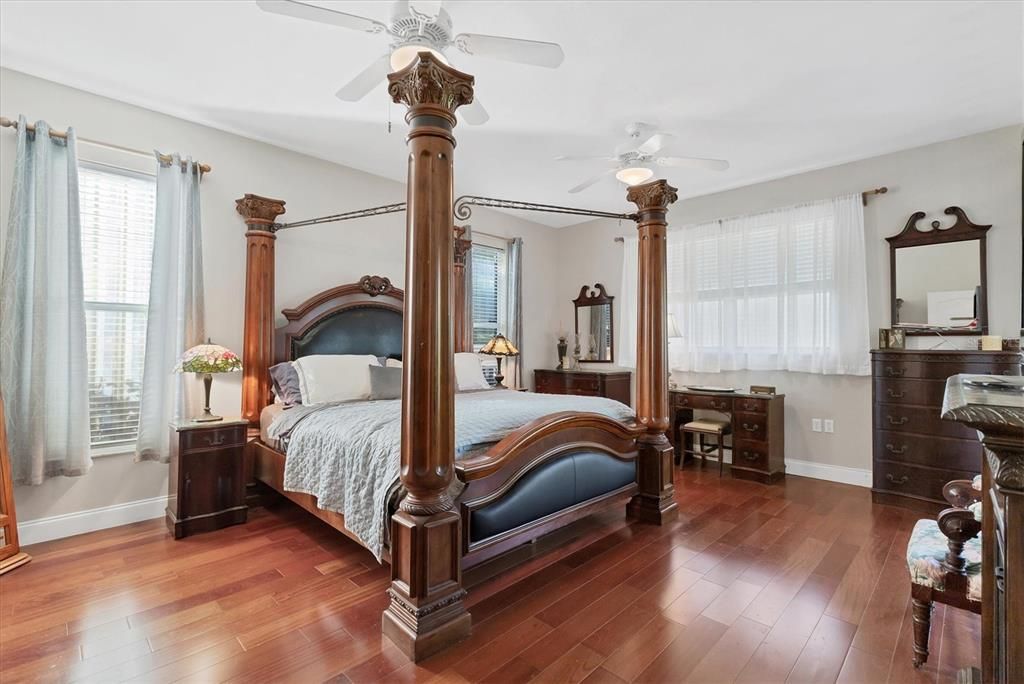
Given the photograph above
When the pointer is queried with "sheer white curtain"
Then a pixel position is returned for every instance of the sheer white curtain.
(175, 315)
(781, 290)
(43, 366)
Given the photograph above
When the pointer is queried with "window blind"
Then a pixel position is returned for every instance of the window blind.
(117, 210)
(488, 299)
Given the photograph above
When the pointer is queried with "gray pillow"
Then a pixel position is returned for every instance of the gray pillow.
(385, 383)
(285, 381)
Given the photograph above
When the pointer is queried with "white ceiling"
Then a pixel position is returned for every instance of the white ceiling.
(775, 88)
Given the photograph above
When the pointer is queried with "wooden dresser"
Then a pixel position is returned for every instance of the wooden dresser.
(916, 452)
(590, 383)
(998, 417)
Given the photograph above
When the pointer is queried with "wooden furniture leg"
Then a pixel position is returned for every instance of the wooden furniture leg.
(655, 499)
(11, 555)
(426, 613)
(922, 630)
(721, 455)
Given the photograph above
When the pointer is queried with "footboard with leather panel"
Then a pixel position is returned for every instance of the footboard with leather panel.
(543, 476)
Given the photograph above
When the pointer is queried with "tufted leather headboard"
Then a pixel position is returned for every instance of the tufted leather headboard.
(357, 318)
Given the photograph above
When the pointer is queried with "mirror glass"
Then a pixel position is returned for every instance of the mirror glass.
(937, 285)
(595, 330)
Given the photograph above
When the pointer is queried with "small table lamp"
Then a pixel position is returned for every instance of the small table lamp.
(499, 346)
(207, 359)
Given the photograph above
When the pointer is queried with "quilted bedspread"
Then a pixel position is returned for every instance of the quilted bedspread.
(347, 455)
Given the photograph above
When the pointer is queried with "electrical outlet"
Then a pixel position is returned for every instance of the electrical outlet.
(830, 425)
(816, 424)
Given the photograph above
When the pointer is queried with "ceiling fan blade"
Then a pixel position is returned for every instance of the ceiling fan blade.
(474, 113)
(533, 52)
(693, 163)
(653, 143)
(571, 157)
(300, 10)
(364, 82)
(590, 181)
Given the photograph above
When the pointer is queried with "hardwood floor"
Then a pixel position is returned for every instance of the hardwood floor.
(803, 581)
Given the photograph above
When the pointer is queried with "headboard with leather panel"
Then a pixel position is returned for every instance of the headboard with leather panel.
(357, 318)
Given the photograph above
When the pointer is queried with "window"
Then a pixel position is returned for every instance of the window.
(781, 290)
(117, 209)
(490, 277)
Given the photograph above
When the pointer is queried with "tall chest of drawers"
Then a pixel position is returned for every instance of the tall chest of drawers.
(915, 451)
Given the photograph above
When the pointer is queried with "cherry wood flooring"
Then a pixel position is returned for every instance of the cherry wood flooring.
(803, 581)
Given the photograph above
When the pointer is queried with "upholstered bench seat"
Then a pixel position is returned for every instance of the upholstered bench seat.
(926, 551)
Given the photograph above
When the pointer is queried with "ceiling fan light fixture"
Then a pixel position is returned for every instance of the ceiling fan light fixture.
(634, 175)
(403, 55)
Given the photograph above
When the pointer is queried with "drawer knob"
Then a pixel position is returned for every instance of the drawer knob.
(901, 421)
(895, 372)
(751, 428)
(718, 404)
(896, 395)
(749, 405)
(749, 456)
(891, 449)
(900, 481)
(212, 440)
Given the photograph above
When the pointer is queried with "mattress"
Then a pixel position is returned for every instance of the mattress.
(267, 416)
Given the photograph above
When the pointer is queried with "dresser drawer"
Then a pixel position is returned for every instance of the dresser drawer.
(924, 420)
(910, 480)
(903, 447)
(750, 455)
(711, 403)
(921, 392)
(219, 438)
(940, 370)
(586, 383)
(751, 427)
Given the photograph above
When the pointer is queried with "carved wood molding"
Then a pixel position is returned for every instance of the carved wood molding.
(592, 297)
(962, 229)
(429, 86)
(374, 286)
(259, 211)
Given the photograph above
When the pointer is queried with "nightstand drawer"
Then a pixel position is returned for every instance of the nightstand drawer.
(213, 438)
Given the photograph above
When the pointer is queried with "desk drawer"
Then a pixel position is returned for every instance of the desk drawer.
(750, 426)
(700, 401)
(750, 405)
(750, 455)
(221, 438)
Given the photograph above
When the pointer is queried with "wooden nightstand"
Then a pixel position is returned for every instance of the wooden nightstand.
(207, 476)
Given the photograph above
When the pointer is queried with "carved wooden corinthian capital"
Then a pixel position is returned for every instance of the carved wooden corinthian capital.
(656, 195)
(428, 86)
(257, 210)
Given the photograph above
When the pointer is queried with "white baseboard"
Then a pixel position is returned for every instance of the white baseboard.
(80, 522)
(822, 471)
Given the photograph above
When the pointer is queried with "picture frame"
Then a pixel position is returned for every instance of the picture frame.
(883, 338)
(897, 338)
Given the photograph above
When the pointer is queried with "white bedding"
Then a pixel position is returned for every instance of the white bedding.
(348, 454)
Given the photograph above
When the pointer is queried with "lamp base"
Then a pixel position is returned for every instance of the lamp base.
(207, 418)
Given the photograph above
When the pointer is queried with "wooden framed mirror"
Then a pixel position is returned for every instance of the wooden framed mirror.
(595, 324)
(937, 277)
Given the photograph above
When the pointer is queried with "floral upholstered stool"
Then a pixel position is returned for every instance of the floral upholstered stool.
(944, 559)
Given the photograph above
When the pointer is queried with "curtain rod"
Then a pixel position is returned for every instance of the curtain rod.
(863, 197)
(62, 135)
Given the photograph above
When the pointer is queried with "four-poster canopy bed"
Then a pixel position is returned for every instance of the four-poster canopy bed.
(541, 476)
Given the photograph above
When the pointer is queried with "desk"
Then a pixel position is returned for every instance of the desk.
(758, 429)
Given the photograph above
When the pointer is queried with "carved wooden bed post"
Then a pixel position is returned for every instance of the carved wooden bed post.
(426, 613)
(258, 342)
(655, 500)
(462, 315)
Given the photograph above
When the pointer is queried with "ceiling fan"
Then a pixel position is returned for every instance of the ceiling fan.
(418, 26)
(634, 159)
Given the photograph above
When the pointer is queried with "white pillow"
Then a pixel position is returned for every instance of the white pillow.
(334, 377)
(468, 373)
(393, 363)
